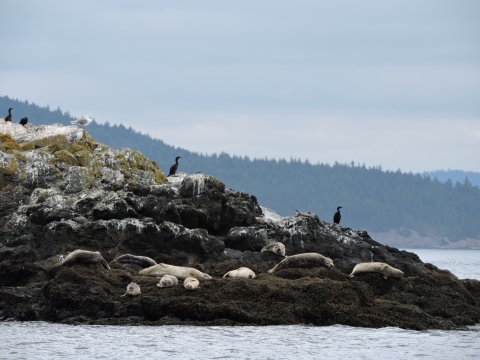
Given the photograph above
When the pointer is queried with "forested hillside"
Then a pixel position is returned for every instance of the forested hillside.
(371, 198)
(454, 176)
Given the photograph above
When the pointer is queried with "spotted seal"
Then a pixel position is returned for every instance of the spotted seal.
(141, 261)
(85, 257)
(190, 283)
(306, 260)
(167, 281)
(376, 267)
(242, 272)
(179, 271)
(132, 289)
(276, 247)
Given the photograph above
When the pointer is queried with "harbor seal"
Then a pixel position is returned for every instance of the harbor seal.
(132, 289)
(141, 261)
(306, 214)
(276, 247)
(376, 267)
(167, 281)
(190, 283)
(306, 260)
(242, 272)
(85, 257)
(179, 271)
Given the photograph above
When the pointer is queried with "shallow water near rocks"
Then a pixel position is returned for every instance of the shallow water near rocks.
(465, 264)
(40, 340)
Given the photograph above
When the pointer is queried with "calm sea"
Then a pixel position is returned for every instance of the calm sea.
(53, 341)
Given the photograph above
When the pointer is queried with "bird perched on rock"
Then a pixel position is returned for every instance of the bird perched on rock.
(174, 167)
(337, 216)
(9, 116)
(84, 121)
(74, 137)
(24, 121)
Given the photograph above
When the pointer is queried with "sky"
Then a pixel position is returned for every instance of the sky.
(390, 83)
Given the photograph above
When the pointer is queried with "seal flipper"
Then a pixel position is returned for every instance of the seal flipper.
(105, 264)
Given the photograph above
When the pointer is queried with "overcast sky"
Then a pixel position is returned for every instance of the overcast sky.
(391, 83)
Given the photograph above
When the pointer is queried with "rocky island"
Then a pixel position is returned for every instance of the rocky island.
(59, 195)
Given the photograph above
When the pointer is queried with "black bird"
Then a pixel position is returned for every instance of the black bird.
(174, 167)
(337, 216)
(24, 121)
(9, 116)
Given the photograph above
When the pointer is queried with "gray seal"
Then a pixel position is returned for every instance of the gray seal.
(167, 281)
(191, 283)
(85, 257)
(306, 260)
(376, 267)
(132, 289)
(242, 272)
(276, 247)
(179, 272)
(141, 261)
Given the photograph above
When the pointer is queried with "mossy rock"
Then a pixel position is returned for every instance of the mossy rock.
(7, 138)
(83, 157)
(89, 144)
(137, 161)
(160, 177)
(27, 146)
(19, 155)
(51, 149)
(7, 143)
(63, 156)
(123, 163)
(7, 148)
(57, 140)
(10, 166)
(75, 148)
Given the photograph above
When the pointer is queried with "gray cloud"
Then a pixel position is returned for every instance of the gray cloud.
(298, 78)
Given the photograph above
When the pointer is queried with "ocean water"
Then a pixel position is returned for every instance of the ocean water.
(465, 264)
(40, 340)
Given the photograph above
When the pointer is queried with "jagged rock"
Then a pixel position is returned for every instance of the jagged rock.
(247, 238)
(200, 184)
(113, 206)
(57, 197)
(196, 241)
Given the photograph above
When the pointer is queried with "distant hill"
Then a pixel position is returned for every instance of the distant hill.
(372, 199)
(454, 176)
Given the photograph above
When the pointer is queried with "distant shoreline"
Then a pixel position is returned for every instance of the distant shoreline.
(414, 240)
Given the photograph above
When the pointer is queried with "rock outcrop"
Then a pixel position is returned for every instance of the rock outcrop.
(57, 196)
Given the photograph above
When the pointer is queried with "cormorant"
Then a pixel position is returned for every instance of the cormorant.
(85, 121)
(9, 116)
(174, 167)
(24, 121)
(337, 216)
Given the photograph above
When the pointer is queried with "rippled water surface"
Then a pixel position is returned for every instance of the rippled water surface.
(54, 341)
(465, 264)
(39, 340)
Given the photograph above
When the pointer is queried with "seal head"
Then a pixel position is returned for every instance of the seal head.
(190, 283)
